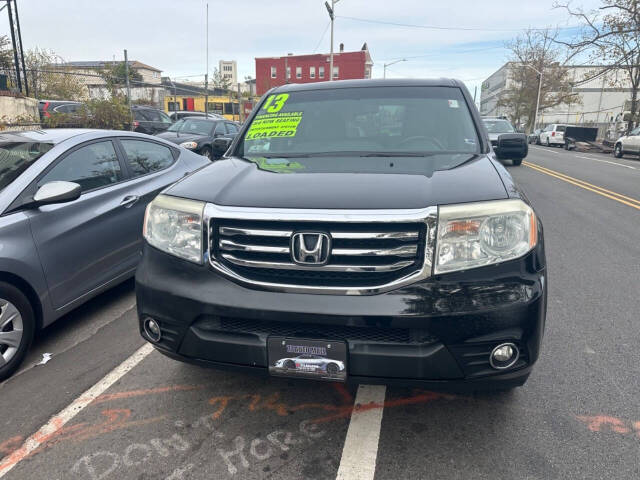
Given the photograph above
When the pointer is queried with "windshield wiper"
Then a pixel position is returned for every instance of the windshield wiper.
(397, 154)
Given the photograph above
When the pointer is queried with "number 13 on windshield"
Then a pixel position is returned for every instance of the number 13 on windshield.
(275, 102)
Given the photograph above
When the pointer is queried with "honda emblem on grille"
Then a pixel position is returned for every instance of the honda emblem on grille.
(310, 248)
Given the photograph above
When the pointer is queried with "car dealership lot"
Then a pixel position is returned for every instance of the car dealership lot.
(577, 416)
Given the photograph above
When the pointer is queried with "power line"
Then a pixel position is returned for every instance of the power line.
(437, 27)
(322, 37)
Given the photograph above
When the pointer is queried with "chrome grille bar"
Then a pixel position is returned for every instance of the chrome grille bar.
(334, 267)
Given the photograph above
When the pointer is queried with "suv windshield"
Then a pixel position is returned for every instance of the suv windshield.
(192, 126)
(498, 126)
(16, 157)
(371, 121)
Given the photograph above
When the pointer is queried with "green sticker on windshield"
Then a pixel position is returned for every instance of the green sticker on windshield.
(275, 102)
(274, 125)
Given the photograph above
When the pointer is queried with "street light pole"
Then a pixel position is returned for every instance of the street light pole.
(330, 9)
(384, 73)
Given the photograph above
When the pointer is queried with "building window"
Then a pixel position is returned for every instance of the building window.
(288, 72)
(273, 72)
(321, 72)
(312, 72)
(336, 72)
(367, 72)
(298, 72)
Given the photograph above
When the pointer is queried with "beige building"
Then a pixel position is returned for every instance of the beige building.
(602, 97)
(229, 71)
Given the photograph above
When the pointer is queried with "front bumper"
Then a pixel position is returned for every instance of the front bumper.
(437, 333)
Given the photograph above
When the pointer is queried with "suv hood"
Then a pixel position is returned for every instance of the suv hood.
(241, 183)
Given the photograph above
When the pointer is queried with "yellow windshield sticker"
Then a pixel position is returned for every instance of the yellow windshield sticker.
(275, 102)
(270, 125)
(277, 165)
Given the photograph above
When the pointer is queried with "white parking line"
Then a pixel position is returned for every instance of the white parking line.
(360, 449)
(74, 408)
(607, 161)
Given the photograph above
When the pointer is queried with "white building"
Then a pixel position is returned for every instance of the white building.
(602, 96)
(229, 71)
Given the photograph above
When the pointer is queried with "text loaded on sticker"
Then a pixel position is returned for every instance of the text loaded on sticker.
(270, 125)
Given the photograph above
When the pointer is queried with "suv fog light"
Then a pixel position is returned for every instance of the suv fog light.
(152, 329)
(504, 356)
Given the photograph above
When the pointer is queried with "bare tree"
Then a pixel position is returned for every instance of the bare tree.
(610, 34)
(6, 54)
(47, 80)
(532, 52)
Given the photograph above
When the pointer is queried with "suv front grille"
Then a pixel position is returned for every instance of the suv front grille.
(362, 254)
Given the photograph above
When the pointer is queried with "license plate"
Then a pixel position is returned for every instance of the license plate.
(306, 358)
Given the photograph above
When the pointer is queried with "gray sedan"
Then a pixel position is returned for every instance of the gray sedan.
(72, 203)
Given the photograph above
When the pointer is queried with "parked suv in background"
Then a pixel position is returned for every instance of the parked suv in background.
(149, 120)
(71, 205)
(363, 221)
(207, 136)
(628, 144)
(46, 108)
(553, 135)
(507, 143)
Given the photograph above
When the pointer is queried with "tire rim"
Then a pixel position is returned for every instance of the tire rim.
(207, 154)
(11, 329)
(618, 149)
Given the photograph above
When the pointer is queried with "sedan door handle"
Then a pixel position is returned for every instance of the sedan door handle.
(129, 201)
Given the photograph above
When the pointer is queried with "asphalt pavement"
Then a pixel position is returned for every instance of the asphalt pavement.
(106, 406)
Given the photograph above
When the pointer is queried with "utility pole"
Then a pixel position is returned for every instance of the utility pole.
(126, 74)
(240, 112)
(15, 48)
(384, 72)
(206, 94)
(330, 9)
(24, 69)
(206, 75)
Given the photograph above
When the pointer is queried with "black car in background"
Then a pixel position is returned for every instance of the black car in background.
(206, 136)
(149, 120)
(46, 108)
(507, 142)
(180, 114)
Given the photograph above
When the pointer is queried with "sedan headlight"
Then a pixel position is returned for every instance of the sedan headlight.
(189, 145)
(174, 225)
(477, 234)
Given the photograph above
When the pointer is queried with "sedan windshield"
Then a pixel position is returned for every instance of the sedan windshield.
(498, 126)
(16, 157)
(362, 122)
(192, 126)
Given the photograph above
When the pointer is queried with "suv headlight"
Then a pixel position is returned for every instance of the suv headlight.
(477, 234)
(174, 225)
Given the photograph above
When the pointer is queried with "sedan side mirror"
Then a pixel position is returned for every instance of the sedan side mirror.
(56, 192)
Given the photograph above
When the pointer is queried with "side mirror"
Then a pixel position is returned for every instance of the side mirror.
(222, 143)
(56, 192)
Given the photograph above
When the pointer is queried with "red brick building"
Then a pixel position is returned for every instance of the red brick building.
(274, 71)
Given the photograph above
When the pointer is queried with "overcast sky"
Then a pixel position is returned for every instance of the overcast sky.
(170, 34)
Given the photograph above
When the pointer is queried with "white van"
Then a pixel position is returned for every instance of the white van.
(553, 134)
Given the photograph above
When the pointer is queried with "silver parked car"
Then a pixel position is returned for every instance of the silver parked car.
(72, 203)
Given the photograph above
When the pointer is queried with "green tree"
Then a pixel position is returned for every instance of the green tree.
(115, 77)
(6, 54)
(218, 80)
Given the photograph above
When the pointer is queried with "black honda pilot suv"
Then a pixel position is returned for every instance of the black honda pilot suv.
(354, 231)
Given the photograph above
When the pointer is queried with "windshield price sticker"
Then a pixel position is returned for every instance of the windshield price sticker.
(270, 125)
(453, 104)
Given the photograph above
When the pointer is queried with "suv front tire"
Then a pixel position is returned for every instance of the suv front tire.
(617, 151)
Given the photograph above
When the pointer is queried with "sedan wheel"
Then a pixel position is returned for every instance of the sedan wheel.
(16, 328)
(617, 152)
(206, 152)
(332, 369)
(11, 328)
